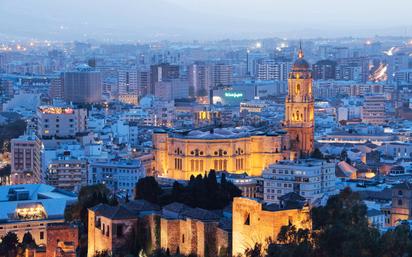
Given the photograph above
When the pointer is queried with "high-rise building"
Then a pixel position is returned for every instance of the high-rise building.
(83, 85)
(271, 69)
(199, 79)
(6, 88)
(143, 81)
(221, 74)
(162, 72)
(310, 178)
(57, 88)
(324, 70)
(23, 150)
(127, 81)
(172, 89)
(373, 110)
(299, 108)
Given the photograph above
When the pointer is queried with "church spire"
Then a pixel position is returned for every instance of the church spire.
(300, 53)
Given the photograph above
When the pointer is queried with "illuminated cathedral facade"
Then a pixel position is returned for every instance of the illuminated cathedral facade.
(299, 108)
(185, 154)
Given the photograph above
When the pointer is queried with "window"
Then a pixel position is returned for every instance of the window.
(247, 220)
(41, 235)
(400, 202)
(183, 238)
(400, 192)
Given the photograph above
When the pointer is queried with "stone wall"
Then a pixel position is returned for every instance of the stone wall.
(251, 224)
(193, 237)
(62, 240)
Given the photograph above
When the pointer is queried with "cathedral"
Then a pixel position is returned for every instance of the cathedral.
(179, 155)
(299, 108)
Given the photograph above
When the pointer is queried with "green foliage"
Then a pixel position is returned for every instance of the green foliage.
(256, 251)
(396, 242)
(317, 154)
(28, 241)
(340, 229)
(5, 171)
(9, 245)
(203, 192)
(148, 189)
(9, 131)
(88, 197)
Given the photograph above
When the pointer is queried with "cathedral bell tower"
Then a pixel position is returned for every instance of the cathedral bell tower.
(299, 108)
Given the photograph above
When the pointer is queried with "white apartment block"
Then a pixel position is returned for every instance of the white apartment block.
(310, 178)
(120, 176)
(60, 121)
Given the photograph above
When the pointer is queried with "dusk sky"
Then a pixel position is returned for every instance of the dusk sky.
(201, 19)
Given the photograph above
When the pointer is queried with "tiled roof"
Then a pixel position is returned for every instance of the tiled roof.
(200, 214)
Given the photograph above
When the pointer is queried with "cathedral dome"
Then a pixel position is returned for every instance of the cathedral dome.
(301, 64)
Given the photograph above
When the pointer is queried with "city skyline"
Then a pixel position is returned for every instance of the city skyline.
(184, 20)
(194, 128)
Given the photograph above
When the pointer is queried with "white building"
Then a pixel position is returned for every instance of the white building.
(127, 81)
(310, 178)
(30, 208)
(120, 176)
(60, 121)
(271, 69)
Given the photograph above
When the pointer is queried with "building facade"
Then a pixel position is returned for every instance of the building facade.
(67, 173)
(23, 154)
(181, 155)
(254, 223)
(31, 208)
(120, 176)
(373, 110)
(83, 85)
(310, 178)
(63, 122)
(401, 208)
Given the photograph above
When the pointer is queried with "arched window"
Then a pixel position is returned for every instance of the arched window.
(298, 89)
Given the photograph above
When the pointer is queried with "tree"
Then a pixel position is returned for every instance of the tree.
(396, 242)
(89, 196)
(28, 240)
(10, 130)
(256, 251)
(9, 244)
(148, 189)
(317, 154)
